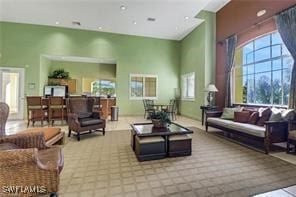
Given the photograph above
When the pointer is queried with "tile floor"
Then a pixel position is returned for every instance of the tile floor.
(124, 124)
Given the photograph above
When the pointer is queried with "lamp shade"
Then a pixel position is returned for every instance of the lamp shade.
(211, 88)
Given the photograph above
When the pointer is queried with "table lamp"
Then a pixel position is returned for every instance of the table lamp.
(211, 89)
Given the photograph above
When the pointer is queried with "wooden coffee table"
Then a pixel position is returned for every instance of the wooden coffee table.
(148, 130)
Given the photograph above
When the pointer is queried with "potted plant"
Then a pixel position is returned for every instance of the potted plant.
(59, 74)
(160, 119)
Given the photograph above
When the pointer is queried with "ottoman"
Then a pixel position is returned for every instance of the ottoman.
(52, 135)
(179, 145)
(149, 148)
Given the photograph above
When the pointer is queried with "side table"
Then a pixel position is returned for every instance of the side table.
(205, 108)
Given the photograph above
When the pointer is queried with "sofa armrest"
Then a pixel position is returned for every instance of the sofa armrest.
(275, 123)
(73, 120)
(276, 130)
(213, 114)
(26, 140)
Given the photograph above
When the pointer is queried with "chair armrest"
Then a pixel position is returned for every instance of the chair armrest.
(73, 119)
(11, 158)
(26, 140)
(213, 114)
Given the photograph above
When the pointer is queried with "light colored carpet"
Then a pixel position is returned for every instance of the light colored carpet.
(106, 166)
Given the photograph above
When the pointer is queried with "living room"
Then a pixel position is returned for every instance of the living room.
(134, 62)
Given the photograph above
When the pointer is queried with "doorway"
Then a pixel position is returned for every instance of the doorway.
(12, 91)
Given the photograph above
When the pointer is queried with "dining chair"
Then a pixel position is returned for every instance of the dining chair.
(148, 107)
(36, 111)
(56, 109)
(172, 109)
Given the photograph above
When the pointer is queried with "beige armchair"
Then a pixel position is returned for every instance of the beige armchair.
(27, 166)
(4, 111)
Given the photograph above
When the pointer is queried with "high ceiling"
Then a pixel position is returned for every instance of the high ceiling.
(174, 19)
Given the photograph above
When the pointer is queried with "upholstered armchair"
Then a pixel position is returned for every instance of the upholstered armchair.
(25, 161)
(4, 111)
(81, 117)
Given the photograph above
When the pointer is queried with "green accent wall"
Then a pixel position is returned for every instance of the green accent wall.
(24, 45)
(198, 55)
(1, 43)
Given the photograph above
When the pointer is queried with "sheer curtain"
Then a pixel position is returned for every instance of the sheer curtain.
(286, 24)
(230, 44)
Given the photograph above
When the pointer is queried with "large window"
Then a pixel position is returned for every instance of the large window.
(188, 86)
(143, 86)
(103, 88)
(262, 71)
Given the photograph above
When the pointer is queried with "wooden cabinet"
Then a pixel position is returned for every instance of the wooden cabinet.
(71, 83)
(106, 104)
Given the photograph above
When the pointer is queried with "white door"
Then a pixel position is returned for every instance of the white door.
(12, 91)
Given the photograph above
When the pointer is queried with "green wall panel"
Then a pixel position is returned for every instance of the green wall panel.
(198, 55)
(23, 46)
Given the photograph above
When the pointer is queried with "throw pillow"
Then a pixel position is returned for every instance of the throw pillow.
(228, 113)
(242, 116)
(265, 115)
(276, 114)
(288, 114)
(253, 118)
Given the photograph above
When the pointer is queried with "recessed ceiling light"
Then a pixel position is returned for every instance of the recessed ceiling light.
(261, 13)
(122, 7)
(57, 23)
(76, 23)
(100, 27)
(186, 17)
(134, 22)
(151, 19)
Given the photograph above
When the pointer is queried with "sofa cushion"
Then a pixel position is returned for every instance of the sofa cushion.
(276, 114)
(90, 121)
(288, 114)
(242, 116)
(253, 118)
(240, 127)
(264, 115)
(49, 132)
(228, 113)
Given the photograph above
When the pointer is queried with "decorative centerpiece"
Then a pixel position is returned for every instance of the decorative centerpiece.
(160, 119)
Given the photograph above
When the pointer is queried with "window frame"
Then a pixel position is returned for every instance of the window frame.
(183, 76)
(271, 59)
(144, 76)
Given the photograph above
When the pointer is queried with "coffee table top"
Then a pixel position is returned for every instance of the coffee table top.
(147, 129)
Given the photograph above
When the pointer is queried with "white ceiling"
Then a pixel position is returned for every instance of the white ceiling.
(169, 14)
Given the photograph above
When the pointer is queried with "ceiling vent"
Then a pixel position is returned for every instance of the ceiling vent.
(151, 19)
(76, 23)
